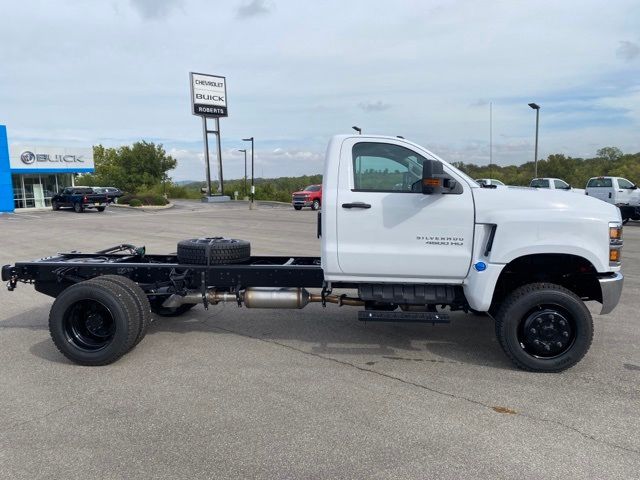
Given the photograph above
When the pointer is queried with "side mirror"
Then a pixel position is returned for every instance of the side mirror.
(432, 173)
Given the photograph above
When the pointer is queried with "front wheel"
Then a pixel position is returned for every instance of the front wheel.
(543, 327)
(315, 205)
(78, 208)
(297, 207)
(55, 205)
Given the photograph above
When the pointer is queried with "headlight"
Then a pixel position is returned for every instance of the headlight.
(615, 244)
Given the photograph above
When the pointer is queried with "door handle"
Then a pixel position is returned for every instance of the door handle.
(356, 205)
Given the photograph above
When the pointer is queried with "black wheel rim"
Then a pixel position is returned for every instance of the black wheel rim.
(547, 331)
(89, 325)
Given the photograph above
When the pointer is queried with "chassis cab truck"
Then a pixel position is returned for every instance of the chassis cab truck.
(405, 237)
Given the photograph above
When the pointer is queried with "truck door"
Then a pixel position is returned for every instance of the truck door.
(387, 228)
(624, 191)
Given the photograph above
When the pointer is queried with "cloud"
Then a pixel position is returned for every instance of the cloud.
(628, 50)
(378, 106)
(155, 9)
(479, 103)
(254, 8)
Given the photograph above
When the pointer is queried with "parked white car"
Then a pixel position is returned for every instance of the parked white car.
(617, 191)
(554, 184)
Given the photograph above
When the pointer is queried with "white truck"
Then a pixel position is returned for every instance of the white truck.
(554, 184)
(404, 235)
(619, 192)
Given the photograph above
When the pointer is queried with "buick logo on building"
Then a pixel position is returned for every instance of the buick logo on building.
(27, 157)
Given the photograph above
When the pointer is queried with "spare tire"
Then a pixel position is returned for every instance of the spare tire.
(213, 251)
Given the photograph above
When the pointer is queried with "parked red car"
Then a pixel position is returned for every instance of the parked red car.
(309, 197)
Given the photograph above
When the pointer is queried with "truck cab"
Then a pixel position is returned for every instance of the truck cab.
(617, 191)
(554, 184)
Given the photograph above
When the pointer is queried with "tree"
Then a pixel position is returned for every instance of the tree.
(609, 153)
(131, 168)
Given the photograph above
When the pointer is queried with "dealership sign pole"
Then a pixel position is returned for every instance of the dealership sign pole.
(209, 100)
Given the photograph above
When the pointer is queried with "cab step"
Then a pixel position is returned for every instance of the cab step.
(414, 317)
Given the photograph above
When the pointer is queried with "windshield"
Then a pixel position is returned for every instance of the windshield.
(312, 188)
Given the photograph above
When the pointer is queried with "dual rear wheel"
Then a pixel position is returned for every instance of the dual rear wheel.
(97, 321)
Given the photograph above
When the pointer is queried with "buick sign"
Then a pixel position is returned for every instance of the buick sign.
(27, 157)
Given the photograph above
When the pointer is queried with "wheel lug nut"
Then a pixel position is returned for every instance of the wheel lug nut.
(565, 334)
(536, 342)
(562, 323)
(533, 330)
(547, 347)
(559, 344)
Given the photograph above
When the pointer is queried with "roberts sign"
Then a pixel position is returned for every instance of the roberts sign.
(208, 95)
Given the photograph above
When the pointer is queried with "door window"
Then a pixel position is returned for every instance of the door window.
(625, 184)
(561, 185)
(383, 167)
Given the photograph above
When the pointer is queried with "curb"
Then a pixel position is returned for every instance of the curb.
(144, 207)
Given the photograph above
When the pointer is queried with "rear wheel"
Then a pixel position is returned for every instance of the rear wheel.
(78, 207)
(138, 296)
(94, 323)
(101, 209)
(544, 327)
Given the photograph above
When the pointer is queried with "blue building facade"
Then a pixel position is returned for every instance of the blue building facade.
(6, 190)
(31, 175)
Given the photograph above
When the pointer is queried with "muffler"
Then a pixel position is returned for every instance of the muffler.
(259, 297)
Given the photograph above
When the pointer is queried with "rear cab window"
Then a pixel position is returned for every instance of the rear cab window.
(599, 183)
(539, 183)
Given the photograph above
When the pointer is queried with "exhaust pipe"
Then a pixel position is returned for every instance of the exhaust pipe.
(258, 297)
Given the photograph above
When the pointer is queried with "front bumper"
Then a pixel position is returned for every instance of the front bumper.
(300, 203)
(611, 287)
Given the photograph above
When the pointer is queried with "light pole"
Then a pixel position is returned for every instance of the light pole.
(536, 107)
(244, 188)
(253, 188)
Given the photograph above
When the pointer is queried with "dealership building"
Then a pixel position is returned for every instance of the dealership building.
(30, 175)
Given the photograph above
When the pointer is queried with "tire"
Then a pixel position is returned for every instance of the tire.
(315, 205)
(101, 209)
(55, 205)
(297, 207)
(158, 309)
(543, 327)
(78, 208)
(213, 251)
(138, 296)
(94, 323)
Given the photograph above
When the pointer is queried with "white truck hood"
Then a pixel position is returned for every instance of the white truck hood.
(531, 221)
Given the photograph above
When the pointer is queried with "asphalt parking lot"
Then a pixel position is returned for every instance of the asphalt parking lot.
(237, 393)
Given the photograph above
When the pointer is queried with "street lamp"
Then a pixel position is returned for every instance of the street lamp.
(244, 188)
(253, 188)
(536, 107)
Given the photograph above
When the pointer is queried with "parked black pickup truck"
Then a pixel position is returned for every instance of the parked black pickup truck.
(79, 198)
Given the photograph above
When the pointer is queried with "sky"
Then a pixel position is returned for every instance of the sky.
(86, 72)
